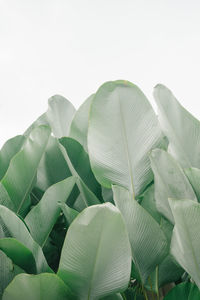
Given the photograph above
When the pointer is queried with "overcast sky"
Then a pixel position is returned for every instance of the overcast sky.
(70, 47)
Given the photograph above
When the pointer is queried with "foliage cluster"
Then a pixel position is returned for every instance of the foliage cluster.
(102, 202)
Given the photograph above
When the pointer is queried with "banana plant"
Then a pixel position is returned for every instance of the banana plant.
(102, 202)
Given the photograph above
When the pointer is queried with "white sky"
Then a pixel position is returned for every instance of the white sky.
(70, 47)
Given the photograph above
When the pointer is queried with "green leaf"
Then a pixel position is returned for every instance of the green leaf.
(9, 149)
(19, 178)
(79, 164)
(185, 245)
(168, 270)
(7, 271)
(69, 213)
(180, 127)
(113, 297)
(148, 242)
(79, 125)
(107, 195)
(19, 254)
(123, 128)
(149, 204)
(18, 230)
(42, 120)
(170, 182)
(184, 291)
(96, 256)
(59, 115)
(41, 220)
(53, 167)
(193, 175)
(37, 287)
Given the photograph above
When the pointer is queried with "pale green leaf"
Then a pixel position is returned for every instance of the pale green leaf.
(37, 287)
(79, 125)
(180, 127)
(59, 115)
(123, 128)
(148, 242)
(96, 256)
(185, 246)
(170, 182)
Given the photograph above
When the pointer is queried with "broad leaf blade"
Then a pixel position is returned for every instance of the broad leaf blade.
(148, 242)
(9, 149)
(37, 287)
(123, 128)
(19, 254)
(19, 178)
(180, 127)
(170, 182)
(185, 245)
(44, 215)
(59, 115)
(96, 256)
(16, 228)
(79, 125)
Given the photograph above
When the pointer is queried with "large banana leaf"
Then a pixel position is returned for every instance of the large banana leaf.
(17, 229)
(185, 246)
(9, 149)
(193, 175)
(43, 216)
(59, 115)
(123, 128)
(148, 242)
(96, 256)
(180, 127)
(79, 164)
(19, 254)
(184, 291)
(19, 178)
(37, 287)
(170, 182)
(7, 271)
(79, 125)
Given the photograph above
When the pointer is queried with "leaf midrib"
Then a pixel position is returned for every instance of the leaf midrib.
(125, 140)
